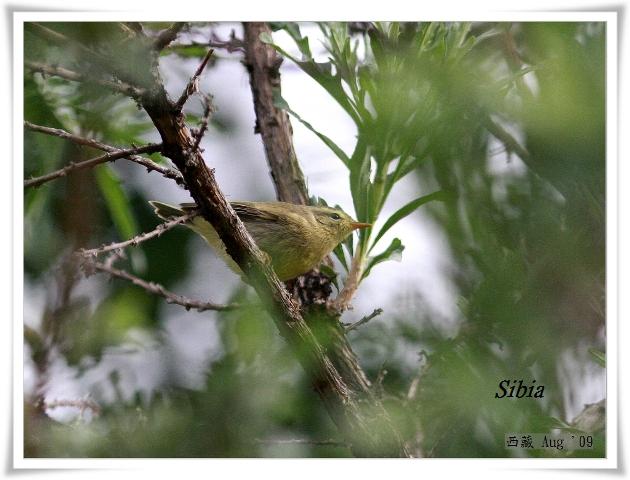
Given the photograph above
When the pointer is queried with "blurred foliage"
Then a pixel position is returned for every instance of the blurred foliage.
(502, 128)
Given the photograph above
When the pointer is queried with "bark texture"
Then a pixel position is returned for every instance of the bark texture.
(263, 64)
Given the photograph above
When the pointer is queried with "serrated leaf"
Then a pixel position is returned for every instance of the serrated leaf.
(302, 43)
(280, 102)
(393, 252)
(321, 73)
(407, 210)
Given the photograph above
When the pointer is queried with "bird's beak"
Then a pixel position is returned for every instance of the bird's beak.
(357, 225)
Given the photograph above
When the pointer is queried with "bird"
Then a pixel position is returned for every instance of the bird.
(295, 237)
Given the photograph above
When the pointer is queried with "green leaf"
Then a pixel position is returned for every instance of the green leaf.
(360, 180)
(280, 102)
(340, 254)
(322, 74)
(408, 209)
(293, 29)
(349, 243)
(393, 252)
(598, 356)
(119, 209)
(186, 51)
(266, 37)
(117, 202)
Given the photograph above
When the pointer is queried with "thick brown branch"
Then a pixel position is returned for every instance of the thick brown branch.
(273, 124)
(163, 227)
(90, 266)
(88, 142)
(92, 162)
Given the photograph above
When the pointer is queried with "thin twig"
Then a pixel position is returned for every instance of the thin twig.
(165, 37)
(91, 266)
(163, 227)
(57, 71)
(88, 142)
(207, 112)
(193, 84)
(378, 382)
(92, 162)
(364, 320)
(510, 143)
(415, 382)
(232, 45)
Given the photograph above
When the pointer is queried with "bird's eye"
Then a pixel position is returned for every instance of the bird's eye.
(335, 216)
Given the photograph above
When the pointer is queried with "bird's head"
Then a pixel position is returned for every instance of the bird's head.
(336, 222)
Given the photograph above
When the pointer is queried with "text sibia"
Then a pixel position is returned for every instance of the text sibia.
(519, 389)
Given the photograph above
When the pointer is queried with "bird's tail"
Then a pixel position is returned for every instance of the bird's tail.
(198, 224)
(167, 212)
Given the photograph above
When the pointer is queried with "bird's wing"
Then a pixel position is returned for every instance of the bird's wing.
(249, 213)
(245, 211)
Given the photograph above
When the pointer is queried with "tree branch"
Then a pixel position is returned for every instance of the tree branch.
(193, 83)
(510, 143)
(263, 64)
(61, 72)
(364, 320)
(234, 44)
(168, 35)
(92, 162)
(163, 227)
(351, 284)
(88, 142)
(207, 112)
(90, 266)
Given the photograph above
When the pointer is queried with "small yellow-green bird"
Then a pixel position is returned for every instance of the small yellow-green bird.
(296, 237)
